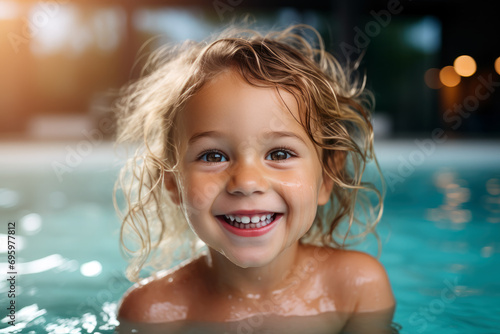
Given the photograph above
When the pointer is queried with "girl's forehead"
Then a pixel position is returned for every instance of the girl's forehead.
(229, 99)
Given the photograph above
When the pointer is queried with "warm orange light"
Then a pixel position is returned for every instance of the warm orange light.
(465, 66)
(431, 78)
(449, 77)
(497, 65)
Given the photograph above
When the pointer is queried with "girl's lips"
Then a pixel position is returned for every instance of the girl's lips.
(250, 232)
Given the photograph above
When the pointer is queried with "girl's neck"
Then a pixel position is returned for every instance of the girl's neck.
(252, 282)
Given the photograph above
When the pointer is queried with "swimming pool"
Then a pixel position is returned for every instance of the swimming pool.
(440, 234)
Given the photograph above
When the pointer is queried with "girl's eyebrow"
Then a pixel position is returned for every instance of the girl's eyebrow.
(268, 135)
(281, 134)
(198, 135)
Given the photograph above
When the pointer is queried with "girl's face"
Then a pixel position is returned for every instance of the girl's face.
(251, 177)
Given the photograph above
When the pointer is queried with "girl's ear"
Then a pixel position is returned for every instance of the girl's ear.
(325, 189)
(171, 185)
(336, 163)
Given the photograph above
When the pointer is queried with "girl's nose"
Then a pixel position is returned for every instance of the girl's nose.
(246, 179)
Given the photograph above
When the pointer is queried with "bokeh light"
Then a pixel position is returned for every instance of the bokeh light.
(497, 65)
(465, 65)
(449, 77)
(493, 186)
(487, 251)
(431, 78)
(31, 223)
(91, 269)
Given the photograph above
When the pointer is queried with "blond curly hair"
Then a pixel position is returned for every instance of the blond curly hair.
(154, 230)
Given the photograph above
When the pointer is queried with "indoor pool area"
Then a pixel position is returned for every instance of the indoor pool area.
(218, 82)
(440, 236)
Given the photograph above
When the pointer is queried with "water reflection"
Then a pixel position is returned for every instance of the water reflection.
(41, 265)
(456, 194)
(89, 322)
(91, 269)
(24, 316)
(32, 316)
(487, 251)
(492, 200)
(367, 322)
(493, 187)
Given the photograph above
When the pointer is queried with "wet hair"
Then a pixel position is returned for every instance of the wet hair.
(336, 116)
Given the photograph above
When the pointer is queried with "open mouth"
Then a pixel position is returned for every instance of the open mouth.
(249, 222)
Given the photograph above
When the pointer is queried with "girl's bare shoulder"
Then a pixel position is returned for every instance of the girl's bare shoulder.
(164, 297)
(357, 275)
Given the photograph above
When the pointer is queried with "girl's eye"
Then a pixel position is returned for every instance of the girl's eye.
(213, 157)
(279, 155)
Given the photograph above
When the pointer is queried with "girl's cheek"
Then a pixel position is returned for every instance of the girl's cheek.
(200, 192)
(298, 185)
(300, 192)
(301, 202)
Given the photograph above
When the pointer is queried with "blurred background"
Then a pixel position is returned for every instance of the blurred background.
(433, 66)
(60, 59)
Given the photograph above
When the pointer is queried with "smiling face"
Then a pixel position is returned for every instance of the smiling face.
(251, 178)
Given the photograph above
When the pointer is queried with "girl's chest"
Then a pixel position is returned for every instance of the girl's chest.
(327, 323)
(303, 298)
(309, 310)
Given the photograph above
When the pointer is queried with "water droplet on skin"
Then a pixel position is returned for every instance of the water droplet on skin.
(170, 280)
(252, 296)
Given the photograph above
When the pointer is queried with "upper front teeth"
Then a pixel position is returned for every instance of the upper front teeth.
(247, 219)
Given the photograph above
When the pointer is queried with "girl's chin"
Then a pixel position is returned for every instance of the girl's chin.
(251, 259)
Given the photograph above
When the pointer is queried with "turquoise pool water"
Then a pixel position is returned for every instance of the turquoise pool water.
(440, 233)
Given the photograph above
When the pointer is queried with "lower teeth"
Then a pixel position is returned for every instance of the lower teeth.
(250, 225)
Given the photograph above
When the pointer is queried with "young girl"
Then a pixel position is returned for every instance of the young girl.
(257, 144)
